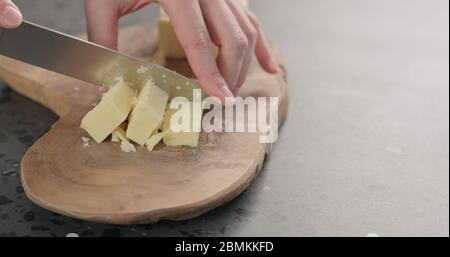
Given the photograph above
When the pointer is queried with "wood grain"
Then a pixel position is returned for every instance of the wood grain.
(101, 183)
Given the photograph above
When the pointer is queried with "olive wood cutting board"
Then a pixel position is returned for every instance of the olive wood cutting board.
(103, 184)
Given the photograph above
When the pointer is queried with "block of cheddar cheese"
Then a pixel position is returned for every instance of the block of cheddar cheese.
(190, 138)
(168, 40)
(113, 109)
(147, 114)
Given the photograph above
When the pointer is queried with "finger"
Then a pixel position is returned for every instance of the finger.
(190, 28)
(228, 35)
(102, 22)
(251, 33)
(127, 7)
(263, 53)
(10, 16)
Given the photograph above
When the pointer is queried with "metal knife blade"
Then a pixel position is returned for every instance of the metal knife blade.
(83, 60)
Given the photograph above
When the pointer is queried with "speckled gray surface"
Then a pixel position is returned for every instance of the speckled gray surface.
(365, 149)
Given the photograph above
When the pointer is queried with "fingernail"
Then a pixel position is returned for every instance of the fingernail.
(11, 16)
(273, 66)
(228, 97)
(225, 91)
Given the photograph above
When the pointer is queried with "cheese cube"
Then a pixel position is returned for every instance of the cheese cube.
(147, 114)
(172, 138)
(112, 110)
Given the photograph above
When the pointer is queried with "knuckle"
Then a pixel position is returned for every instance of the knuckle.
(240, 43)
(201, 43)
(215, 76)
(255, 20)
(252, 35)
(212, 77)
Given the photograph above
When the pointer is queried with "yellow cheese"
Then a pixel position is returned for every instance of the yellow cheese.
(158, 57)
(168, 40)
(172, 138)
(114, 138)
(147, 114)
(154, 140)
(112, 110)
(119, 135)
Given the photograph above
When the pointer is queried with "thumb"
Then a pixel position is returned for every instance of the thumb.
(10, 16)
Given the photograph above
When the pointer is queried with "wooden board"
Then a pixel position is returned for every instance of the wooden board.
(101, 183)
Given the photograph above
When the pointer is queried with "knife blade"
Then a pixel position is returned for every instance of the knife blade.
(83, 60)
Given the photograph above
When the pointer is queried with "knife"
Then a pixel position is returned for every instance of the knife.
(83, 60)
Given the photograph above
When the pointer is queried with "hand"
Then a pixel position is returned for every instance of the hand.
(10, 16)
(198, 24)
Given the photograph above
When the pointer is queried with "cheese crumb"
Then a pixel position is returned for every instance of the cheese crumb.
(143, 69)
(86, 142)
(127, 147)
